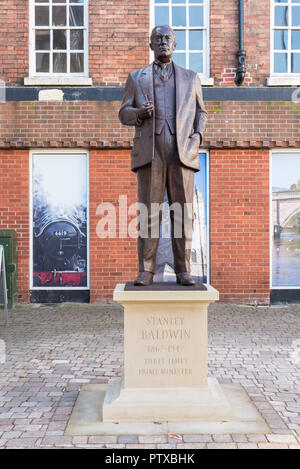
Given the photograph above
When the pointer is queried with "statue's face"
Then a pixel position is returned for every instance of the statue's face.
(163, 43)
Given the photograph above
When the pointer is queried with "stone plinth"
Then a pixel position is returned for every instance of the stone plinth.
(165, 345)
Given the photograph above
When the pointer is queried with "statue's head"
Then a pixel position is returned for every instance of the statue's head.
(163, 42)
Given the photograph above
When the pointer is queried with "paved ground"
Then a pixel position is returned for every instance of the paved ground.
(51, 351)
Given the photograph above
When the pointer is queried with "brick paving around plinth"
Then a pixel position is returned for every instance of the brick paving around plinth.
(52, 350)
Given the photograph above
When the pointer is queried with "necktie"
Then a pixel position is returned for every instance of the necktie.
(164, 73)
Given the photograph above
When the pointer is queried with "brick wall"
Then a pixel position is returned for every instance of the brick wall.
(224, 41)
(119, 38)
(113, 259)
(67, 123)
(14, 22)
(257, 16)
(231, 124)
(14, 208)
(239, 224)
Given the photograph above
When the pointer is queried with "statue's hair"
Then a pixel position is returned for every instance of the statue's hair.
(161, 26)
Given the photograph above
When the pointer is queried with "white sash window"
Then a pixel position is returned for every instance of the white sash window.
(190, 21)
(59, 38)
(285, 37)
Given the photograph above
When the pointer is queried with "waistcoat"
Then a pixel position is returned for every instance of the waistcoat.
(165, 102)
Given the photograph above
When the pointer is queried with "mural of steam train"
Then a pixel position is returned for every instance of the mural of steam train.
(60, 249)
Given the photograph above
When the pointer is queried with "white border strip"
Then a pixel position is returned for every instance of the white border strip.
(208, 213)
(275, 287)
(65, 152)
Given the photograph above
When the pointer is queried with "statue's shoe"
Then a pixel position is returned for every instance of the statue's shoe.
(184, 278)
(144, 279)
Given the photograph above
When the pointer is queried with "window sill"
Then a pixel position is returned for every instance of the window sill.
(206, 81)
(58, 81)
(284, 81)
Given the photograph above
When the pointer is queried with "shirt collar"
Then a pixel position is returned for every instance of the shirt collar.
(162, 64)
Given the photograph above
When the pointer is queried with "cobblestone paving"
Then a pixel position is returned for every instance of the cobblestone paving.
(52, 350)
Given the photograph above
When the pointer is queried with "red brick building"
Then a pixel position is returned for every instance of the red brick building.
(63, 67)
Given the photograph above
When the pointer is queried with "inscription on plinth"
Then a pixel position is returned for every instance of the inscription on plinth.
(169, 346)
(161, 355)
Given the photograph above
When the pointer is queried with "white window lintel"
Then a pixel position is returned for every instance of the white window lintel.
(58, 81)
(289, 80)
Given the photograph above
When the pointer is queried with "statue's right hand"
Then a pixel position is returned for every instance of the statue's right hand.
(146, 111)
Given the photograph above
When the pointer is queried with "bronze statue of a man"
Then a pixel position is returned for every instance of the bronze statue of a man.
(164, 102)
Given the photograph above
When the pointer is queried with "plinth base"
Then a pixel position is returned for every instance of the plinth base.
(165, 404)
(86, 418)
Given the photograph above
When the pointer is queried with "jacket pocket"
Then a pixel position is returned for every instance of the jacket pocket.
(193, 145)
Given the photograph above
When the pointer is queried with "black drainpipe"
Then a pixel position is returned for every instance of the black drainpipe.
(241, 54)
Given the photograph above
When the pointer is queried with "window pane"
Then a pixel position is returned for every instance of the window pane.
(281, 16)
(42, 16)
(59, 62)
(76, 39)
(59, 1)
(280, 63)
(161, 1)
(281, 1)
(296, 16)
(42, 62)
(196, 16)
(180, 40)
(295, 39)
(41, 1)
(59, 39)
(59, 16)
(179, 16)
(280, 39)
(179, 1)
(196, 1)
(196, 40)
(161, 15)
(180, 58)
(77, 63)
(196, 62)
(296, 63)
(42, 39)
(76, 16)
(76, 1)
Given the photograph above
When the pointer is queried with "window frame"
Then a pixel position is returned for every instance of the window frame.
(289, 74)
(205, 75)
(32, 50)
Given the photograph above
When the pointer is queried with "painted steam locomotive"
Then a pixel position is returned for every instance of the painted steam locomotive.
(60, 251)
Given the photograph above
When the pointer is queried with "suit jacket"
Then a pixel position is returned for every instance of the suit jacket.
(191, 115)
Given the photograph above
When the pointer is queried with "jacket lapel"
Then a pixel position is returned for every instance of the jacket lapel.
(181, 86)
(146, 83)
